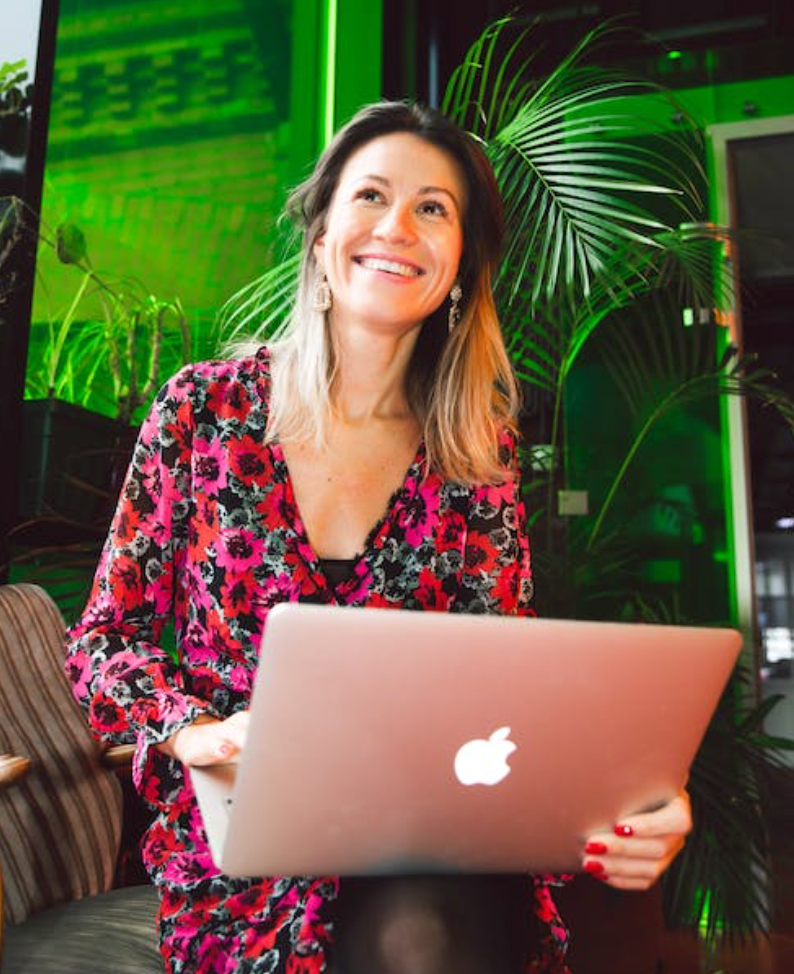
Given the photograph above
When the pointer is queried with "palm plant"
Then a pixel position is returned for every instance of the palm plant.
(608, 245)
(607, 241)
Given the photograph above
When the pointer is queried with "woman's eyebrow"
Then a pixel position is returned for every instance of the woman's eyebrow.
(375, 177)
(422, 191)
(429, 190)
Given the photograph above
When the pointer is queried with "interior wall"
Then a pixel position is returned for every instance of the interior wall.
(176, 133)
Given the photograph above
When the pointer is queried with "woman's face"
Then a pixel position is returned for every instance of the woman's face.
(393, 235)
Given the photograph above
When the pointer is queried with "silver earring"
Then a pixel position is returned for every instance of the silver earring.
(455, 297)
(322, 292)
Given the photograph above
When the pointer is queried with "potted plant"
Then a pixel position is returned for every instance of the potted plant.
(93, 365)
(609, 250)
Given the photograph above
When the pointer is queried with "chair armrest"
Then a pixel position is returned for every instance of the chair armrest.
(13, 768)
(118, 756)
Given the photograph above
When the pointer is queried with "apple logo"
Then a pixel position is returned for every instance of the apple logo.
(481, 762)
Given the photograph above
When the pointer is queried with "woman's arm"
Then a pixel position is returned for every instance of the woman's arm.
(132, 690)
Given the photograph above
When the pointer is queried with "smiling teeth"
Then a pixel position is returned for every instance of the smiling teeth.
(391, 266)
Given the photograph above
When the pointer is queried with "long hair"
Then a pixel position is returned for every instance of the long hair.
(459, 384)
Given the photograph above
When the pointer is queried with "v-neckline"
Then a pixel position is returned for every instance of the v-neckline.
(406, 490)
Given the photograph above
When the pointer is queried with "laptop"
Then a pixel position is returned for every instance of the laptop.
(387, 741)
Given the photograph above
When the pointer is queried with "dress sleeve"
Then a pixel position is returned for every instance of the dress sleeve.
(497, 574)
(132, 690)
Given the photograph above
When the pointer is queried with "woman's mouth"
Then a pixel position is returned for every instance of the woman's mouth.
(398, 267)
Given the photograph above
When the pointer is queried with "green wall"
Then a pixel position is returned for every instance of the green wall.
(176, 131)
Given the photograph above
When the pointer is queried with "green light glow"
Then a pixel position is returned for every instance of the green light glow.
(329, 107)
(703, 921)
(674, 55)
(708, 924)
(175, 132)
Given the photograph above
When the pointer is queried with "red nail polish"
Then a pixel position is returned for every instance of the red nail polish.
(624, 830)
(593, 867)
(602, 877)
(595, 848)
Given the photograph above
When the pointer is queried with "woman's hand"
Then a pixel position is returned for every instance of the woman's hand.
(208, 740)
(640, 847)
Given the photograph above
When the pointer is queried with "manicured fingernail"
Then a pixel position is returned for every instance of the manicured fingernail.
(600, 876)
(624, 830)
(595, 848)
(593, 867)
(224, 749)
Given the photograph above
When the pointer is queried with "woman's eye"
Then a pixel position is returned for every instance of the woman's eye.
(433, 208)
(369, 195)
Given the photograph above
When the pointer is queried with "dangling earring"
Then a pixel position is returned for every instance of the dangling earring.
(322, 292)
(455, 297)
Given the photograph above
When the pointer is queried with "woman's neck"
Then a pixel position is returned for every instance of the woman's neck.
(371, 377)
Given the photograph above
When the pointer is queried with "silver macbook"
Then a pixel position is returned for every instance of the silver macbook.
(385, 741)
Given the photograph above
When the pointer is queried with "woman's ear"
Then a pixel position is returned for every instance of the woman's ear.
(319, 250)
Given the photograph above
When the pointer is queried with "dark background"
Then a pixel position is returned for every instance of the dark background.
(723, 41)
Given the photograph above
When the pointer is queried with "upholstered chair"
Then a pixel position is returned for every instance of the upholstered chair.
(60, 816)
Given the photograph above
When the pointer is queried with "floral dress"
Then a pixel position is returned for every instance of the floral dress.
(208, 534)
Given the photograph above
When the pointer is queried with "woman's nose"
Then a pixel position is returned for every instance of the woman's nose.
(396, 225)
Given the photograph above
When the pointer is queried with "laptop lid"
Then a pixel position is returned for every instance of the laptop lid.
(386, 741)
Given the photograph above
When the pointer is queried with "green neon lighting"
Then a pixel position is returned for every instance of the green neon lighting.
(329, 119)
(709, 922)
(674, 55)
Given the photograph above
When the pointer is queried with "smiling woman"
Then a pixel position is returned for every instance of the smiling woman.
(365, 457)
(402, 183)
(393, 237)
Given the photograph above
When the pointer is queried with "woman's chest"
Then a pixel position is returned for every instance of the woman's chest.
(263, 518)
(344, 490)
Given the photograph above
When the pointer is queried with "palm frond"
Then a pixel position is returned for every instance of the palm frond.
(720, 883)
(660, 365)
(685, 271)
(566, 168)
(475, 101)
(262, 307)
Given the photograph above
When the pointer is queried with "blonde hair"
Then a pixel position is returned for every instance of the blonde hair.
(459, 383)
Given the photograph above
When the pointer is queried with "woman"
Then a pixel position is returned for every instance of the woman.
(365, 458)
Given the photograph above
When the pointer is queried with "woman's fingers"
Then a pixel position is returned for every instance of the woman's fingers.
(674, 818)
(235, 730)
(640, 847)
(210, 741)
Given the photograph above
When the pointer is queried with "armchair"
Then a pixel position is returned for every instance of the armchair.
(60, 816)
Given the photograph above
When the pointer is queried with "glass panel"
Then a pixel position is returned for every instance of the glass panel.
(761, 578)
(176, 131)
(778, 643)
(776, 577)
(172, 142)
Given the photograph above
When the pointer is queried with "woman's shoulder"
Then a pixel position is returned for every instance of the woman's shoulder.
(240, 368)
(216, 387)
(250, 369)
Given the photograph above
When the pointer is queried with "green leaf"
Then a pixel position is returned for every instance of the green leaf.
(70, 244)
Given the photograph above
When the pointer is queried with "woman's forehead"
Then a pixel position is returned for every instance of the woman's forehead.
(408, 159)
